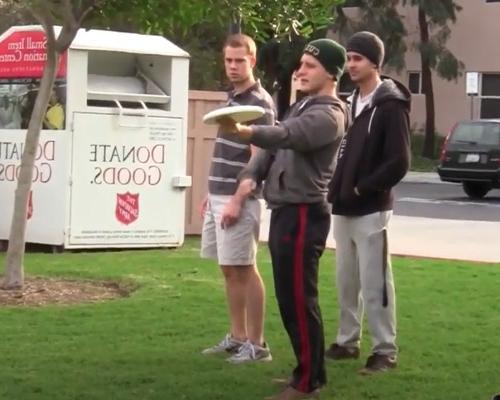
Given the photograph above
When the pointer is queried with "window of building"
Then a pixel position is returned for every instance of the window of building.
(490, 85)
(490, 108)
(415, 82)
(490, 95)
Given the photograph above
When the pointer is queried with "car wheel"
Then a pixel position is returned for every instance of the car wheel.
(476, 190)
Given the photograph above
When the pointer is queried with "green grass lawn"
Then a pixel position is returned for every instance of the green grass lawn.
(147, 346)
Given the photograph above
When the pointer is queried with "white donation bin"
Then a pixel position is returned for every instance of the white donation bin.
(110, 167)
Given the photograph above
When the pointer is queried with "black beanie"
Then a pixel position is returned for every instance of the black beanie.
(369, 45)
(329, 53)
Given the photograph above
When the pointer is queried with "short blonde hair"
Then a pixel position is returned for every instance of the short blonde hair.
(241, 40)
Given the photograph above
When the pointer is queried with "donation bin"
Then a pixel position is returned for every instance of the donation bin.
(110, 167)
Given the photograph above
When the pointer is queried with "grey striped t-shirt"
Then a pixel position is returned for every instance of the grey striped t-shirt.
(231, 153)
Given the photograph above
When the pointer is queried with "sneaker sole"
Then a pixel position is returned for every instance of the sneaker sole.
(208, 352)
(369, 372)
(269, 358)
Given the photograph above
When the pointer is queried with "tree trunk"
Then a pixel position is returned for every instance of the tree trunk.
(14, 270)
(235, 24)
(429, 141)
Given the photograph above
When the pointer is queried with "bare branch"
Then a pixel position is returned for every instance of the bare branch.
(85, 13)
(69, 28)
(68, 14)
(87, 8)
(72, 20)
(43, 15)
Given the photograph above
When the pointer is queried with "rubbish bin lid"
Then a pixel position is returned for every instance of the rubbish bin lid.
(96, 39)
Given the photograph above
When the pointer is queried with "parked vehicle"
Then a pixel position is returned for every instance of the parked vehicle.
(471, 156)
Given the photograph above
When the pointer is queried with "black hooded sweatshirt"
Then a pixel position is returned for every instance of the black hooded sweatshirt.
(374, 154)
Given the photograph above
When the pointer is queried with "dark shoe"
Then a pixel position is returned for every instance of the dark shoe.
(378, 363)
(336, 352)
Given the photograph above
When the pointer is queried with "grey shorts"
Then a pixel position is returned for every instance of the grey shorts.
(236, 245)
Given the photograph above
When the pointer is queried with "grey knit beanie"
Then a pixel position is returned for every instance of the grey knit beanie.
(369, 45)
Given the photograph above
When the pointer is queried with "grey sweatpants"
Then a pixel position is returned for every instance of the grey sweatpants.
(364, 278)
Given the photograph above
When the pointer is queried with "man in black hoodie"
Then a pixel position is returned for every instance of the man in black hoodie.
(297, 162)
(373, 157)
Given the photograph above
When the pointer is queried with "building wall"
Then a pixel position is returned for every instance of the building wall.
(474, 40)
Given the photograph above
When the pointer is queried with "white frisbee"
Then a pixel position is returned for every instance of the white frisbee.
(236, 113)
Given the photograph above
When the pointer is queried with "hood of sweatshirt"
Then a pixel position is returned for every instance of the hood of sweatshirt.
(391, 89)
(310, 101)
(319, 101)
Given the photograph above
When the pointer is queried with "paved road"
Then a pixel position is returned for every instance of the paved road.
(444, 201)
(435, 219)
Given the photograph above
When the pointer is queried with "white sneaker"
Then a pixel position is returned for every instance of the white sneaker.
(227, 345)
(250, 352)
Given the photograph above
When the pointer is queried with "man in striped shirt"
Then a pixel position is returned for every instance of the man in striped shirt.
(234, 247)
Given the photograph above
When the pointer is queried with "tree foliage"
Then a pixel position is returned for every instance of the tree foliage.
(381, 17)
(434, 20)
(200, 26)
(439, 15)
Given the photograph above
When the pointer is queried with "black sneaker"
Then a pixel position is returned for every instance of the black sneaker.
(336, 352)
(378, 363)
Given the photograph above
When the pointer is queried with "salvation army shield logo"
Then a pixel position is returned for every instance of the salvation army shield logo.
(127, 207)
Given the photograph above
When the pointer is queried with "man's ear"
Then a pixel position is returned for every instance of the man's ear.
(253, 61)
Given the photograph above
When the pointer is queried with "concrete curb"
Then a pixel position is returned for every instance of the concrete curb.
(424, 177)
(430, 238)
